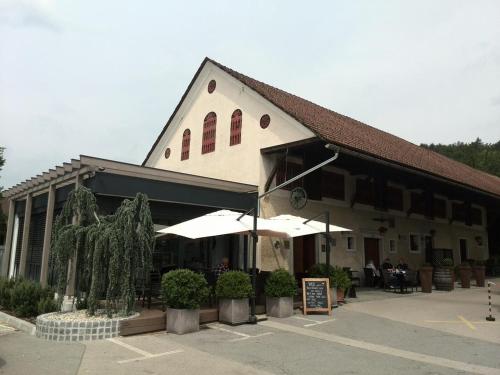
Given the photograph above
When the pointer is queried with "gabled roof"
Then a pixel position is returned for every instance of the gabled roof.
(355, 135)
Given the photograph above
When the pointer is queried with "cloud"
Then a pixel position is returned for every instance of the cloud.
(21, 13)
(495, 100)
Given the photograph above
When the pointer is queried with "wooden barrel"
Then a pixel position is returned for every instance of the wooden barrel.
(443, 279)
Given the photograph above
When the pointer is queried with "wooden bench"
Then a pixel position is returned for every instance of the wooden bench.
(156, 320)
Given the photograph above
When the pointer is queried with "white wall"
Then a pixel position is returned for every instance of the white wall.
(239, 163)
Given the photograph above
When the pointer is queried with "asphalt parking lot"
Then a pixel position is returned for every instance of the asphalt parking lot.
(379, 334)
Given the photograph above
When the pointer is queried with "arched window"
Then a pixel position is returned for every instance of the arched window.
(186, 140)
(208, 142)
(235, 137)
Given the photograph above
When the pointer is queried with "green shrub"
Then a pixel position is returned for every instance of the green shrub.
(6, 286)
(24, 298)
(280, 283)
(321, 270)
(338, 277)
(446, 262)
(81, 303)
(184, 289)
(47, 305)
(233, 285)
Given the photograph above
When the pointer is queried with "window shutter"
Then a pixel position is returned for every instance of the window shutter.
(186, 141)
(236, 122)
(208, 141)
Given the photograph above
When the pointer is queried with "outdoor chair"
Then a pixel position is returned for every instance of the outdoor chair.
(369, 278)
(355, 282)
(153, 288)
(411, 280)
(390, 281)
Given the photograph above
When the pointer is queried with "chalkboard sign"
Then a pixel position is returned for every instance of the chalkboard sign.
(316, 295)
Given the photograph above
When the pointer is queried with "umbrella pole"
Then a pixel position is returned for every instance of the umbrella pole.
(253, 318)
(327, 232)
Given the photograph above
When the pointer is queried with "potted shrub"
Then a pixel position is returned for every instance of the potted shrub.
(339, 280)
(233, 289)
(280, 289)
(322, 270)
(443, 275)
(465, 272)
(183, 291)
(479, 272)
(425, 274)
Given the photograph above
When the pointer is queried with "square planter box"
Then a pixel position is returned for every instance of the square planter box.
(279, 307)
(181, 321)
(234, 311)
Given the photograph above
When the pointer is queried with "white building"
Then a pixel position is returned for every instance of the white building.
(401, 200)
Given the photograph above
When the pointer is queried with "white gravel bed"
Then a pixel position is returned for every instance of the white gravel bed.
(81, 315)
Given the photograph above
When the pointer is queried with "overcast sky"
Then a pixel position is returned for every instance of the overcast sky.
(102, 77)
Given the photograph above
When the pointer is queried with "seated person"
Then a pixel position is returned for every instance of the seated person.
(375, 271)
(222, 267)
(387, 265)
(402, 266)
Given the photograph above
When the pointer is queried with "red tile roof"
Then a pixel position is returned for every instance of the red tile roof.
(345, 131)
(355, 135)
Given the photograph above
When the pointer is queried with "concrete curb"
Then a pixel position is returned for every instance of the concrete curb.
(17, 323)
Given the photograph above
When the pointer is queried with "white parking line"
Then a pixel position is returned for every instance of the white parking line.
(318, 323)
(387, 350)
(149, 356)
(244, 336)
(144, 354)
(7, 327)
(314, 322)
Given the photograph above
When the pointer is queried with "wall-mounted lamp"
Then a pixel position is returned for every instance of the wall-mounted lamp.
(479, 240)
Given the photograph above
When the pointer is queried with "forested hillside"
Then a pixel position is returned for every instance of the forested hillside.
(479, 155)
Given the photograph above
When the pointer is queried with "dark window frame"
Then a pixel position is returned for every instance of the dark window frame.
(333, 185)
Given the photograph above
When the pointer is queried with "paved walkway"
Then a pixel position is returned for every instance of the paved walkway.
(380, 334)
(461, 312)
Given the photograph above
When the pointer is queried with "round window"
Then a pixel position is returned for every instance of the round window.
(211, 86)
(167, 153)
(265, 121)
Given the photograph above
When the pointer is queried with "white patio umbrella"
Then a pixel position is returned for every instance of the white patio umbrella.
(223, 222)
(295, 226)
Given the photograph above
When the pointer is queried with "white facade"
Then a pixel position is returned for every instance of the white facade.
(244, 163)
(239, 163)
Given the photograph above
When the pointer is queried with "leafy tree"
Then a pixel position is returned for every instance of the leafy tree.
(111, 252)
(477, 154)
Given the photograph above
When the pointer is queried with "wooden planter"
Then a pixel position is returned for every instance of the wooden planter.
(444, 278)
(465, 274)
(479, 275)
(425, 274)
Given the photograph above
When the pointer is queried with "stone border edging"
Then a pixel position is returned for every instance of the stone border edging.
(77, 330)
(18, 323)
